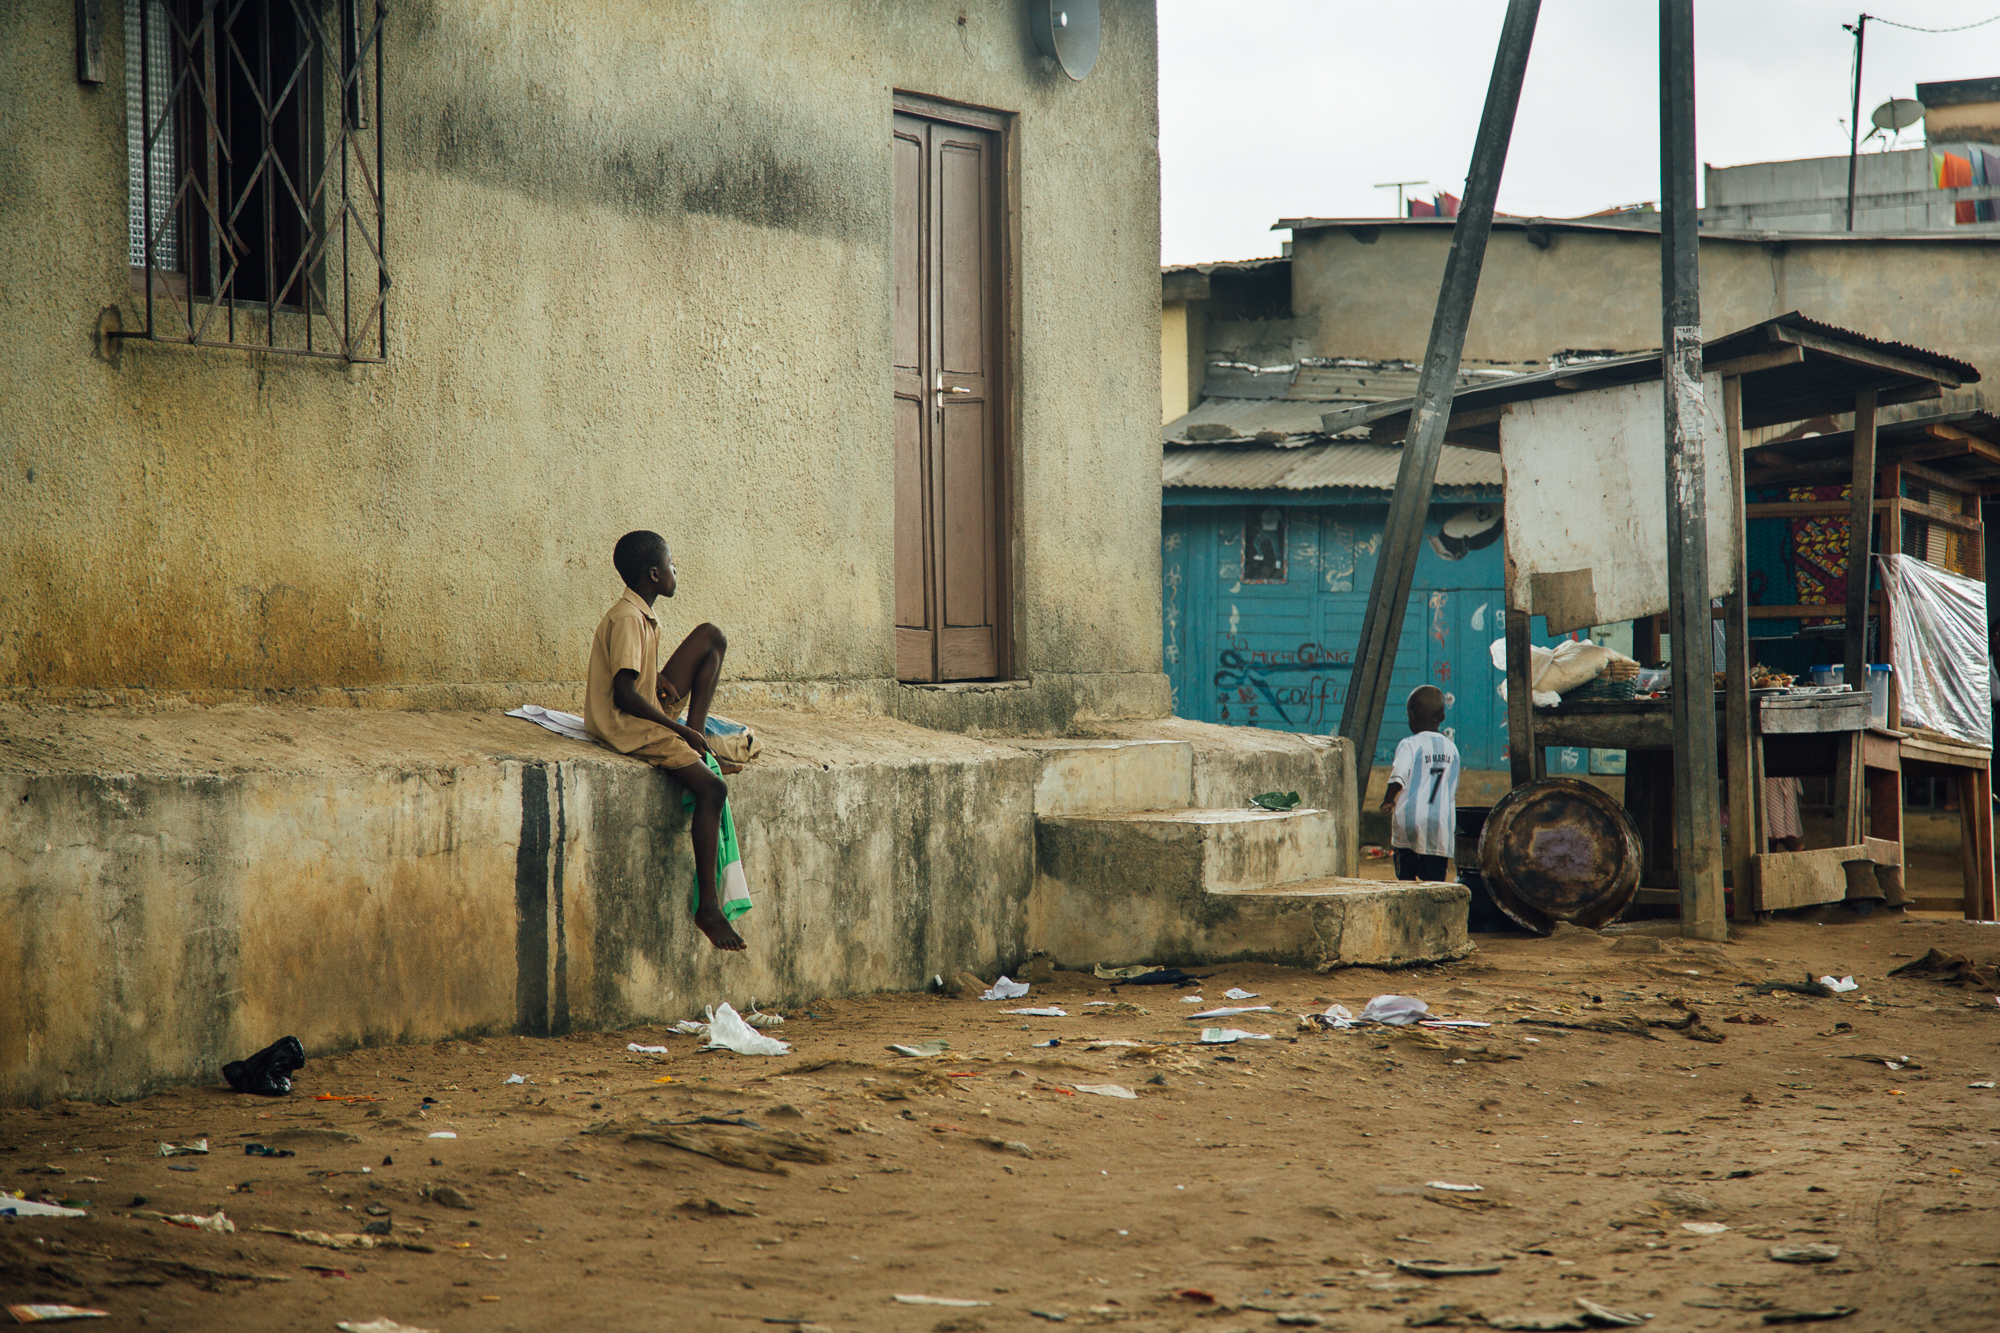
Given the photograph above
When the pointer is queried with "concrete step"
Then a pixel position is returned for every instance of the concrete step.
(1338, 922)
(1182, 852)
(1207, 886)
(1096, 776)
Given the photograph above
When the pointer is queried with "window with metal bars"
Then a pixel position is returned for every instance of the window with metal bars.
(254, 155)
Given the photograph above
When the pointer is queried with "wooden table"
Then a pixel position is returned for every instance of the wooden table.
(1793, 735)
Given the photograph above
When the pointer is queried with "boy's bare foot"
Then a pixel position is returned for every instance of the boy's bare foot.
(728, 768)
(720, 933)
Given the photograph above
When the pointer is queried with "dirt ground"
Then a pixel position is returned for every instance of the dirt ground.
(1258, 1185)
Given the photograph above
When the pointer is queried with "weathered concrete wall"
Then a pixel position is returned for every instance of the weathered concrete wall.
(178, 889)
(1374, 289)
(641, 256)
(203, 883)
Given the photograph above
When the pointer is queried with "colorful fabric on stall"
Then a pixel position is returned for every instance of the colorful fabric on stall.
(1989, 209)
(1952, 172)
(1819, 552)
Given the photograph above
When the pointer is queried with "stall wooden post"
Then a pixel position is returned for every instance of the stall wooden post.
(1521, 749)
(1736, 741)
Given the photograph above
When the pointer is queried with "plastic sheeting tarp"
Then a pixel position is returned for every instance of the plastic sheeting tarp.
(1938, 648)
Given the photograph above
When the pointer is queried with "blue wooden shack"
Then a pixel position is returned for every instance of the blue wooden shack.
(1268, 543)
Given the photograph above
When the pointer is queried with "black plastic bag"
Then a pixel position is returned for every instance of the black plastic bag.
(266, 1073)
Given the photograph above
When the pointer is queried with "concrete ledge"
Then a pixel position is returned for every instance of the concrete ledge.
(179, 887)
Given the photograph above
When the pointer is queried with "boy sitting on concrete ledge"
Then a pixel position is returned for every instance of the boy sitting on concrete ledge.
(631, 701)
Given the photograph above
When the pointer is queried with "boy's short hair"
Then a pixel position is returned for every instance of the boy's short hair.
(637, 554)
(1426, 701)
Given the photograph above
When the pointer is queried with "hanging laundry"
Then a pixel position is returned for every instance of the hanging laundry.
(1447, 205)
(1420, 209)
(1988, 173)
(1952, 172)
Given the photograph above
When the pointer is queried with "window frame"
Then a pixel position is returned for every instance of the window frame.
(321, 189)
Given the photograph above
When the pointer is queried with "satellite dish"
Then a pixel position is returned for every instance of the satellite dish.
(1898, 113)
(1067, 32)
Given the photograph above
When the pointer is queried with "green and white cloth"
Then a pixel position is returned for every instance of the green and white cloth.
(733, 889)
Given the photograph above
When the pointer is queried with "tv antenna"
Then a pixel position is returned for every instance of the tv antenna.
(1397, 186)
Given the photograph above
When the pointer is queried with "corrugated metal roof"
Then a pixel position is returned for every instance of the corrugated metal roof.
(1269, 420)
(1284, 404)
(1317, 467)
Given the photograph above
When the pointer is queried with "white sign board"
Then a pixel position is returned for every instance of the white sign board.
(1586, 477)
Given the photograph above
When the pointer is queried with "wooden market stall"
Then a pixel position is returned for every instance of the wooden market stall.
(1585, 494)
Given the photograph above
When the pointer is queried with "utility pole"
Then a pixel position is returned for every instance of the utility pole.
(1860, 30)
(1398, 187)
(1697, 818)
(1403, 529)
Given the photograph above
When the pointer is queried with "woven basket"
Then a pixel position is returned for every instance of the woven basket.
(1618, 680)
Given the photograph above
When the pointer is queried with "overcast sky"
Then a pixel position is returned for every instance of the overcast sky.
(1295, 108)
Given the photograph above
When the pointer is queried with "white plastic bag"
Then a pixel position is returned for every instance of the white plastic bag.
(1394, 1010)
(728, 1031)
(1937, 623)
(1554, 672)
(1006, 989)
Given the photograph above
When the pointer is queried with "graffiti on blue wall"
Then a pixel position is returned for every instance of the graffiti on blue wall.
(1276, 649)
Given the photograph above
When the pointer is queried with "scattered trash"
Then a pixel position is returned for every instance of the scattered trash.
(444, 1134)
(1809, 1316)
(1394, 1010)
(1004, 989)
(1230, 1013)
(1685, 1201)
(727, 1031)
(1537, 1323)
(1050, 1012)
(689, 1027)
(1192, 999)
(1600, 1314)
(216, 1224)
(1839, 985)
(516, 1078)
(714, 1208)
(1953, 968)
(380, 1326)
(34, 1208)
(757, 1018)
(923, 1049)
(1107, 1090)
(267, 1073)
(1300, 1319)
(1987, 1084)
(48, 1314)
(1815, 989)
(1426, 1268)
(1104, 973)
(1052, 1041)
(259, 1150)
(1336, 1018)
(197, 1148)
(1371, 852)
(940, 1300)
(1238, 993)
(1197, 1295)
(1165, 976)
(1704, 1228)
(172, 1167)
(1457, 1189)
(636, 1047)
(1224, 1036)
(1804, 1254)
(1275, 800)
(1755, 1020)
(1049, 1315)
(1119, 1007)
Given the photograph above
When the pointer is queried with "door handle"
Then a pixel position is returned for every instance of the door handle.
(940, 389)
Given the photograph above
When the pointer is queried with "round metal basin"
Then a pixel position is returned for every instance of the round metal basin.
(1559, 850)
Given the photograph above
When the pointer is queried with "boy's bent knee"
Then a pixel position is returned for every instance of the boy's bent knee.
(717, 640)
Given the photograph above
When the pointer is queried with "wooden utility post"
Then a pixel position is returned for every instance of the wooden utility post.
(1403, 529)
(1697, 816)
(1860, 531)
(1745, 840)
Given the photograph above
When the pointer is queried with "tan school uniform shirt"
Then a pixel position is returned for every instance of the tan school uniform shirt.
(628, 639)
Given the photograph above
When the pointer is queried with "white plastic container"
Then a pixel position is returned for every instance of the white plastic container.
(1828, 675)
(1878, 694)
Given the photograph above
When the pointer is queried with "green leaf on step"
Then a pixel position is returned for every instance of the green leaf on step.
(1276, 800)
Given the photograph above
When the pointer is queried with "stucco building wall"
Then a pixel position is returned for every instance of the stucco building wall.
(1375, 290)
(641, 256)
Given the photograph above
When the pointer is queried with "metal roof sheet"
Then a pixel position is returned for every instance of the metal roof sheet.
(1317, 467)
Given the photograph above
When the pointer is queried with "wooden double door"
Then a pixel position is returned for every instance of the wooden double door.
(950, 575)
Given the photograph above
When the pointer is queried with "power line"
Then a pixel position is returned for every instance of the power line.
(1906, 27)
